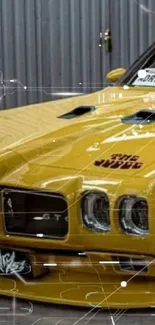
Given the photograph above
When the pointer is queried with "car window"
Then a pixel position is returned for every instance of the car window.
(142, 72)
(145, 75)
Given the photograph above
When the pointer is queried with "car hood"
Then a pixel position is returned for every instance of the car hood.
(99, 143)
(24, 124)
(111, 149)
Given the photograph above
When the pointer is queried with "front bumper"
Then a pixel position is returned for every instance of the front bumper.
(90, 279)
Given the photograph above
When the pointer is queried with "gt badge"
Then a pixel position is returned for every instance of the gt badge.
(121, 161)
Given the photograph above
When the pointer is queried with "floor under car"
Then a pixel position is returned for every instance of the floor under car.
(19, 312)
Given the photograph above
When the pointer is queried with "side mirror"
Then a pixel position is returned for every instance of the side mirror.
(116, 74)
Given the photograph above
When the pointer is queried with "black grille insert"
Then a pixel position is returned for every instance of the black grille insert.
(132, 264)
(34, 213)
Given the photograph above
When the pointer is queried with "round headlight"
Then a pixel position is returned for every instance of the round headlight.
(133, 215)
(95, 211)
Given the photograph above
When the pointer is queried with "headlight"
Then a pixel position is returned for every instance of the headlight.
(95, 211)
(133, 215)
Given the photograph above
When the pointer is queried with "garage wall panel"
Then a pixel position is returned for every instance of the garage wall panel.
(95, 51)
(133, 25)
(20, 63)
(52, 46)
(151, 22)
(65, 73)
(74, 51)
(144, 31)
(105, 14)
(31, 50)
(133, 37)
(7, 58)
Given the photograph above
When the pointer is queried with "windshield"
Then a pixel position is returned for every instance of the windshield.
(144, 77)
(142, 72)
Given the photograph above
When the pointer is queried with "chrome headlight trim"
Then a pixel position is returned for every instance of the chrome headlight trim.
(133, 215)
(95, 211)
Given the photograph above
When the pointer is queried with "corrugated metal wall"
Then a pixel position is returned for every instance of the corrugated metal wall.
(133, 26)
(52, 46)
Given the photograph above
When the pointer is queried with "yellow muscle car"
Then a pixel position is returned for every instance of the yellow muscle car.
(77, 180)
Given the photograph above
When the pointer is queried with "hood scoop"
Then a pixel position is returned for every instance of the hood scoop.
(78, 111)
(141, 117)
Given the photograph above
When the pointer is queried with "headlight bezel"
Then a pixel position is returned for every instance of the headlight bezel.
(98, 227)
(128, 226)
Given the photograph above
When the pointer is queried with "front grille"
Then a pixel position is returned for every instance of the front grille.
(132, 264)
(32, 213)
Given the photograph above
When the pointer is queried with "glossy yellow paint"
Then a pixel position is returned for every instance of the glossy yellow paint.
(116, 74)
(40, 151)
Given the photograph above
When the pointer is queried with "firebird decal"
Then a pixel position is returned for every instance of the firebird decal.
(121, 161)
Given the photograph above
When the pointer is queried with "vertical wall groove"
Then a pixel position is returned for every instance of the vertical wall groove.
(75, 49)
(85, 44)
(65, 46)
(106, 11)
(2, 105)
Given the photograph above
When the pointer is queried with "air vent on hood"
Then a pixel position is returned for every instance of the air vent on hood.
(141, 117)
(78, 111)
